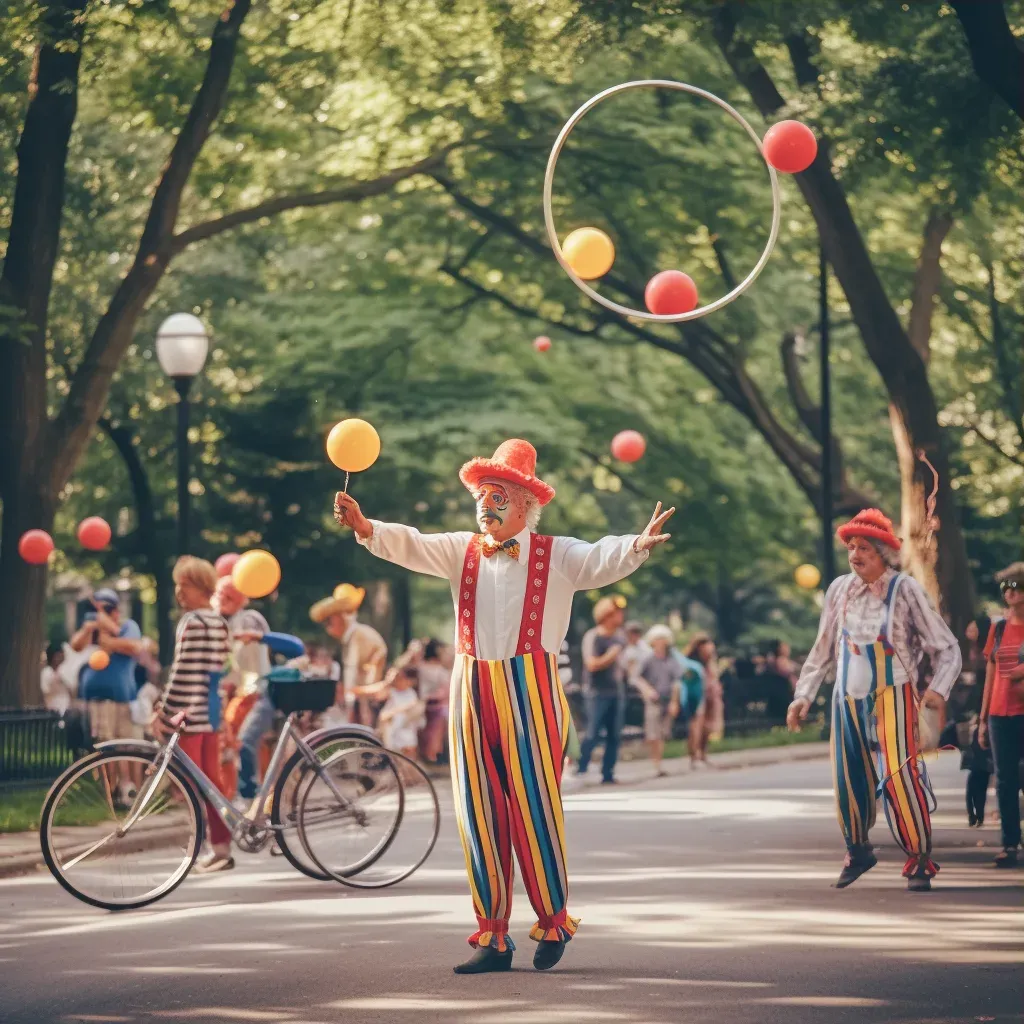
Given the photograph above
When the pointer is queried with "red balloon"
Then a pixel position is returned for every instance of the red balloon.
(670, 292)
(94, 533)
(790, 147)
(35, 546)
(226, 563)
(628, 445)
(542, 343)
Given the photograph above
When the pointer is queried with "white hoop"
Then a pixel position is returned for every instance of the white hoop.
(549, 219)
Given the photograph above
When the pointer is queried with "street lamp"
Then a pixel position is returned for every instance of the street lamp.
(181, 347)
(828, 544)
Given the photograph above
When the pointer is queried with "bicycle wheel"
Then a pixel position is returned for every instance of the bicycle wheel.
(296, 777)
(372, 820)
(81, 830)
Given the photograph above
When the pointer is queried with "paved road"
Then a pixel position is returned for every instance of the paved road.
(704, 898)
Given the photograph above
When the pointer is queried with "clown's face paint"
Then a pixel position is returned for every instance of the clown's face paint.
(500, 509)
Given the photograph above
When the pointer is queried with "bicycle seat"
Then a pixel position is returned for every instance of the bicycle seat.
(284, 644)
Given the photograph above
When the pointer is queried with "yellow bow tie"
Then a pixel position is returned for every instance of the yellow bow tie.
(510, 547)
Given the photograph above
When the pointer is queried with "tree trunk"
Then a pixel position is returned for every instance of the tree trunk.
(22, 599)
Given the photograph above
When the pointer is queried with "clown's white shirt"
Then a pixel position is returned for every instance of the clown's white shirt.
(501, 583)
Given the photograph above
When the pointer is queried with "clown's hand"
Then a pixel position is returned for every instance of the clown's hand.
(347, 513)
(652, 535)
(796, 713)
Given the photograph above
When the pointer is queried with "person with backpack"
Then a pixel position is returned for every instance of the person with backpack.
(1001, 722)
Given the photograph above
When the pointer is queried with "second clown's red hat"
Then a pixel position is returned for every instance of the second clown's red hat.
(515, 461)
(873, 524)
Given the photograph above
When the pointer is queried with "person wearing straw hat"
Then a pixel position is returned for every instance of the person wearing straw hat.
(509, 721)
(364, 651)
(876, 626)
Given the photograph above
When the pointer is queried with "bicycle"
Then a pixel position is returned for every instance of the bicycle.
(339, 791)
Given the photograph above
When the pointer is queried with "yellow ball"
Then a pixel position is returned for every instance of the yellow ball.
(353, 445)
(807, 576)
(590, 253)
(256, 573)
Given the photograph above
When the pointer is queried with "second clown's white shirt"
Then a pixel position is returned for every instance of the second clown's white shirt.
(501, 583)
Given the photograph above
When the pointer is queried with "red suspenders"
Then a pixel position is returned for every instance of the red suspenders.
(538, 567)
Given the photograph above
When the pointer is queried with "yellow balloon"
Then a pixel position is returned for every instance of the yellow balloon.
(256, 573)
(807, 576)
(590, 253)
(353, 445)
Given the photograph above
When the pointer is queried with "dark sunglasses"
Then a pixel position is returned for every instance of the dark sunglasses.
(1009, 585)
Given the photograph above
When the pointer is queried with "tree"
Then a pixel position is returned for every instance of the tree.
(43, 448)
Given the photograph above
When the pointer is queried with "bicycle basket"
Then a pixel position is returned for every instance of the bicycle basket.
(301, 695)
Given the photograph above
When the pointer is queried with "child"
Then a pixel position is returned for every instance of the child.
(402, 715)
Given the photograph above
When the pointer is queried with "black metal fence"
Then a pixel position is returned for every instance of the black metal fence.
(36, 745)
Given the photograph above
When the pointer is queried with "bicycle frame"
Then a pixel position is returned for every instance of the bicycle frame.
(226, 810)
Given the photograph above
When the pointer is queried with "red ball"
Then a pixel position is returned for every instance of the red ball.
(790, 147)
(628, 445)
(94, 533)
(35, 546)
(670, 292)
(226, 563)
(542, 343)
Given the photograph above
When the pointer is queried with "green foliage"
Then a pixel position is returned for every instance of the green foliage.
(355, 309)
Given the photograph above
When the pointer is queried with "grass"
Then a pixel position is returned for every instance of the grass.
(780, 736)
(19, 808)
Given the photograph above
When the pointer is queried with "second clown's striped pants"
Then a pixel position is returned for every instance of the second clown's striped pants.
(509, 725)
(890, 713)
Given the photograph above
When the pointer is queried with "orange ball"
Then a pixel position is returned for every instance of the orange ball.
(807, 576)
(628, 446)
(35, 546)
(353, 445)
(94, 533)
(790, 147)
(99, 660)
(256, 573)
(670, 292)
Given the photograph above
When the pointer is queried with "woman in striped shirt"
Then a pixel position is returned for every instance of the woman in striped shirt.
(201, 648)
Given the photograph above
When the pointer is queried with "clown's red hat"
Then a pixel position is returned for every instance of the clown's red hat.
(514, 460)
(870, 523)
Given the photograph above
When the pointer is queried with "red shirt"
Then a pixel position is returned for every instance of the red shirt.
(1007, 697)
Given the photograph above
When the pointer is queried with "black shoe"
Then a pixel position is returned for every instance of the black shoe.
(549, 952)
(486, 960)
(1007, 859)
(972, 819)
(919, 882)
(609, 782)
(855, 866)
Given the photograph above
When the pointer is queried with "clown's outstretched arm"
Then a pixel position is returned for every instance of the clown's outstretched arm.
(435, 554)
(590, 566)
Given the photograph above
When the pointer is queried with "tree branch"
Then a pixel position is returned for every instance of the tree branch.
(927, 278)
(69, 432)
(305, 200)
(997, 55)
(1009, 378)
(806, 408)
(1014, 457)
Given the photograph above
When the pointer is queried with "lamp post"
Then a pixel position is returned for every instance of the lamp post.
(181, 347)
(828, 545)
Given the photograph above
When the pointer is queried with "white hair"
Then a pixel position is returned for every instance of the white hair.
(889, 555)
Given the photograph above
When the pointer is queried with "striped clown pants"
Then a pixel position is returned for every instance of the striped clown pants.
(898, 779)
(509, 726)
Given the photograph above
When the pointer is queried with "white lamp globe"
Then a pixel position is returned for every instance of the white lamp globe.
(182, 345)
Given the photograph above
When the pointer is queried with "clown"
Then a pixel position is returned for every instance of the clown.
(509, 720)
(876, 626)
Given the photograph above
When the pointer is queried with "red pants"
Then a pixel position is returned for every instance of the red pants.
(204, 749)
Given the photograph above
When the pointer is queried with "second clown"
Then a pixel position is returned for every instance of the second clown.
(512, 589)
